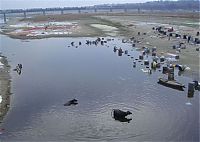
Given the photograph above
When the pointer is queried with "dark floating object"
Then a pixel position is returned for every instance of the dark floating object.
(120, 52)
(128, 55)
(71, 102)
(121, 115)
(146, 62)
(18, 69)
(171, 83)
(126, 52)
(191, 89)
(141, 57)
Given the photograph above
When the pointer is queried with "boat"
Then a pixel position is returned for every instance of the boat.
(171, 83)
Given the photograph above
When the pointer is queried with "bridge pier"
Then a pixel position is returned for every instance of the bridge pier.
(111, 10)
(43, 11)
(125, 10)
(79, 11)
(24, 14)
(138, 10)
(62, 11)
(95, 10)
(4, 17)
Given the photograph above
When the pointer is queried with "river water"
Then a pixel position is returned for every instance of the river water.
(55, 72)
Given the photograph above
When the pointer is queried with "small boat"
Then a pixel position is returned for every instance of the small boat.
(171, 83)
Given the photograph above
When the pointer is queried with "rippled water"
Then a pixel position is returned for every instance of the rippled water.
(54, 73)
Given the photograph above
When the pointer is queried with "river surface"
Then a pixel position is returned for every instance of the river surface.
(55, 72)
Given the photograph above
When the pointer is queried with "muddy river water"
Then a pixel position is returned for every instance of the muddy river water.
(55, 72)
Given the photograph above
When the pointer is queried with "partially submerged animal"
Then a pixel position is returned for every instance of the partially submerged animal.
(121, 115)
(71, 102)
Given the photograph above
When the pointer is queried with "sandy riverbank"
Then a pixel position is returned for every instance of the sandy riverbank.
(4, 87)
(68, 25)
(116, 24)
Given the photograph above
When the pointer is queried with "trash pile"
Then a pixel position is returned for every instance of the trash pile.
(171, 33)
(43, 29)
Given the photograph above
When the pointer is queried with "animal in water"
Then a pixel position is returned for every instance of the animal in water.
(120, 114)
(71, 102)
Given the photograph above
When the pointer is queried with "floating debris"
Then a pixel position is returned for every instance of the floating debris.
(171, 83)
(146, 62)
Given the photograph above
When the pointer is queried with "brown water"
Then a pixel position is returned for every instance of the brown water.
(100, 80)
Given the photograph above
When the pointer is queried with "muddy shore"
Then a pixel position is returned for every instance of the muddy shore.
(4, 87)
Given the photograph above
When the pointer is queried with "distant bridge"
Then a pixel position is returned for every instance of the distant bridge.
(45, 11)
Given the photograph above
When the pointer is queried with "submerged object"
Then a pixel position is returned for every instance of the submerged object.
(191, 89)
(141, 57)
(171, 83)
(146, 62)
(71, 102)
